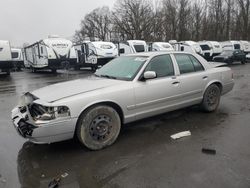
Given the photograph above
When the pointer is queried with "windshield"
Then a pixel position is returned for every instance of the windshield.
(227, 52)
(122, 68)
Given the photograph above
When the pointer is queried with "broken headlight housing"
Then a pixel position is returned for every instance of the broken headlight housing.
(43, 113)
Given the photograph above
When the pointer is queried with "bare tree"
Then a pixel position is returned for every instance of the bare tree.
(133, 18)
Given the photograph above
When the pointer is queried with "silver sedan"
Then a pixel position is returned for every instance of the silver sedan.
(127, 89)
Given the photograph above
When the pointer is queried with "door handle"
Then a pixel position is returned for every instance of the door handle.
(176, 83)
(205, 77)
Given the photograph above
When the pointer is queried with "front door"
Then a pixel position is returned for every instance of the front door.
(157, 95)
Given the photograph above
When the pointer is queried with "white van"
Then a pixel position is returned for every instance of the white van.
(17, 58)
(51, 53)
(6, 63)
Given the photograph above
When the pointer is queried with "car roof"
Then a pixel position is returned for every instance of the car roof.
(152, 54)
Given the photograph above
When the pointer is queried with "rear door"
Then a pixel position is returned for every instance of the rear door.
(192, 78)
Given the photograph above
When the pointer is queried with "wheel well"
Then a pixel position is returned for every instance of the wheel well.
(219, 85)
(111, 104)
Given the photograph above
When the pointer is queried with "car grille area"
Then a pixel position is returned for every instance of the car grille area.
(25, 129)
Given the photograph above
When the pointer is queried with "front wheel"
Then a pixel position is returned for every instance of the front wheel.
(98, 127)
(211, 98)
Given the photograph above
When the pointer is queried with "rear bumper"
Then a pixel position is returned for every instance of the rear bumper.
(49, 132)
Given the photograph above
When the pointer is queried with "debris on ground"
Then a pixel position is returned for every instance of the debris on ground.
(209, 151)
(180, 135)
(42, 176)
(64, 175)
(54, 183)
(3, 180)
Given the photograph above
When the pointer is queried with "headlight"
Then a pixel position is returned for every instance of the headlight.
(43, 113)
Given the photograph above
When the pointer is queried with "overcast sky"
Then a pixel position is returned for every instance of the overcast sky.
(31, 20)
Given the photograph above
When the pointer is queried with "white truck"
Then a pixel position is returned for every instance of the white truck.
(210, 49)
(160, 46)
(131, 47)
(17, 58)
(51, 53)
(6, 63)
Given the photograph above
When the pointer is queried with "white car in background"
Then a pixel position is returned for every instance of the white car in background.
(127, 89)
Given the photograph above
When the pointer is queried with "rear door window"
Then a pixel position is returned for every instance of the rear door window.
(188, 63)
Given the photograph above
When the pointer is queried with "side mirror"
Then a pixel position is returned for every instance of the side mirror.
(122, 51)
(149, 75)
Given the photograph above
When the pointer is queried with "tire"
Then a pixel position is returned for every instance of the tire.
(211, 98)
(98, 127)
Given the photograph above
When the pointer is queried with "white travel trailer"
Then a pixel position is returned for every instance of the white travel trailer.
(245, 46)
(6, 63)
(210, 49)
(160, 46)
(231, 45)
(51, 53)
(17, 58)
(86, 55)
(187, 46)
(132, 46)
(105, 51)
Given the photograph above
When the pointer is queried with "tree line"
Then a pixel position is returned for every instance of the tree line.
(164, 20)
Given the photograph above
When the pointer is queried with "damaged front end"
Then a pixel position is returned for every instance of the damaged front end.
(32, 114)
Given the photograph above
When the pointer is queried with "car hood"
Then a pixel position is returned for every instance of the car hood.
(59, 91)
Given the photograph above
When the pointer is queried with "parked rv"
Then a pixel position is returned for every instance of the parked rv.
(86, 55)
(188, 46)
(210, 49)
(160, 46)
(6, 63)
(231, 45)
(51, 53)
(245, 46)
(105, 51)
(17, 58)
(132, 46)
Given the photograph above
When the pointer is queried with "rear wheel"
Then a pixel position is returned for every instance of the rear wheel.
(211, 98)
(98, 127)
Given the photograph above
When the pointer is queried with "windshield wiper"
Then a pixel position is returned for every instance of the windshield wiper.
(106, 76)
